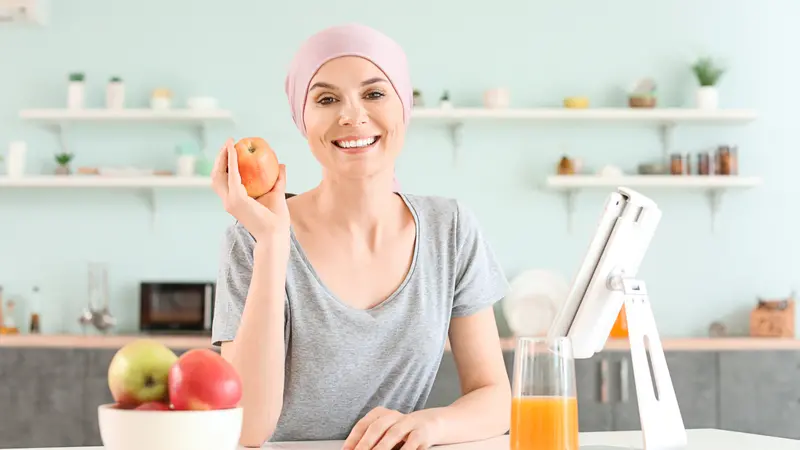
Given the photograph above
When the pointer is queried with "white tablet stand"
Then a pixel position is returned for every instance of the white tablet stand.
(604, 283)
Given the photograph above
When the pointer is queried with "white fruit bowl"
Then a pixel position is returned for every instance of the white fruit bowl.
(127, 429)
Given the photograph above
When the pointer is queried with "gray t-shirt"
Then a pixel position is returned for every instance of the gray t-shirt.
(341, 362)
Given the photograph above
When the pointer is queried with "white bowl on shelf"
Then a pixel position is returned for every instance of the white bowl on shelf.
(128, 429)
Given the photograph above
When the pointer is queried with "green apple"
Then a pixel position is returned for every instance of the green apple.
(139, 373)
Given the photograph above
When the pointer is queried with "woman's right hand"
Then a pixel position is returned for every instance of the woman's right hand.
(266, 217)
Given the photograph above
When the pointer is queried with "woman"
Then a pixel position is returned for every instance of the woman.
(335, 305)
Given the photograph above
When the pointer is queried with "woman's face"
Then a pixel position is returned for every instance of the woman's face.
(354, 118)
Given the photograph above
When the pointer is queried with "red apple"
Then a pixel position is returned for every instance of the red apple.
(139, 371)
(258, 165)
(202, 379)
(153, 406)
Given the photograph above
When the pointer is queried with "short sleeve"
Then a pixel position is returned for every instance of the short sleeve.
(480, 281)
(233, 281)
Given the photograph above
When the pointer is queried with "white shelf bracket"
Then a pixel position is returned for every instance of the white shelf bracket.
(667, 140)
(569, 201)
(456, 139)
(715, 201)
(58, 130)
(202, 136)
(149, 197)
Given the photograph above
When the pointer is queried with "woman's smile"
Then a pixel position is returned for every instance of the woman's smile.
(356, 144)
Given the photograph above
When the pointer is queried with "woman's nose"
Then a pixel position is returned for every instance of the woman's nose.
(352, 114)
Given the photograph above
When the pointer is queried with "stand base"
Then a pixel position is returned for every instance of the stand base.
(659, 414)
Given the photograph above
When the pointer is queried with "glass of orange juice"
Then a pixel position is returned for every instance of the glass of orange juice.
(544, 408)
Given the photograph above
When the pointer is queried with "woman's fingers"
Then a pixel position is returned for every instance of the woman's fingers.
(219, 174)
(234, 178)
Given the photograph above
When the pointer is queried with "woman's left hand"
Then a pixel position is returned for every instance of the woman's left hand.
(386, 429)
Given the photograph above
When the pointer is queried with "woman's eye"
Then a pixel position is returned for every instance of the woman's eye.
(325, 100)
(374, 95)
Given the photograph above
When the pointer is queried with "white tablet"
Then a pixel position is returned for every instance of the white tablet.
(623, 234)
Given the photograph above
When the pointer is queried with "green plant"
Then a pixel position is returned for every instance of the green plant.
(76, 76)
(445, 96)
(115, 80)
(63, 158)
(707, 73)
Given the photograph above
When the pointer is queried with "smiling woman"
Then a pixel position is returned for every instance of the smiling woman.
(335, 304)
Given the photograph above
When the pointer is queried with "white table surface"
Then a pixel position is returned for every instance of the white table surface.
(699, 439)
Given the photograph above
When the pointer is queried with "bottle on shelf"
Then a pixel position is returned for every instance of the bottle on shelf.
(35, 325)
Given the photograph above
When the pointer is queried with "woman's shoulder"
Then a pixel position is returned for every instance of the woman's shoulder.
(447, 214)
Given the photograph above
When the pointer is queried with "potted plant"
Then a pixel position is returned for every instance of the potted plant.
(708, 75)
(63, 159)
(444, 102)
(115, 93)
(643, 94)
(418, 101)
(76, 90)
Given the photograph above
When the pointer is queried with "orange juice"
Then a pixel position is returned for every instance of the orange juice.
(620, 328)
(544, 423)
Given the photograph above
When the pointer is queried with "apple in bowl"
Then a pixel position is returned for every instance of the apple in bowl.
(184, 402)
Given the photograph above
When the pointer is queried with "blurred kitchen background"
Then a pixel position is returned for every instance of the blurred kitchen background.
(103, 103)
(233, 57)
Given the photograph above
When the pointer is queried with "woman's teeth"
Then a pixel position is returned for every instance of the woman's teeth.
(355, 143)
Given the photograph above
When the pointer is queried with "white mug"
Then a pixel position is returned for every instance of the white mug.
(186, 165)
(497, 98)
(15, 162)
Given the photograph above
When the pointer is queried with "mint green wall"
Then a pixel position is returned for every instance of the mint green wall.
(542, 51)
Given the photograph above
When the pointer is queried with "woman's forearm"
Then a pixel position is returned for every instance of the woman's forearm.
(480, 414)
(259, 346)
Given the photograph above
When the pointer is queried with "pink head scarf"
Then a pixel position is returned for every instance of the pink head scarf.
(347, 40)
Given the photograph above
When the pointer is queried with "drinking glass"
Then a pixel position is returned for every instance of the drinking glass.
(544, 408)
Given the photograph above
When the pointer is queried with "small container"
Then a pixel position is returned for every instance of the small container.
(723, 160)
(676, 164)
(703, 164)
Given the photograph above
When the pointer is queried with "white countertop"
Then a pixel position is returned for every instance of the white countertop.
(700, 439)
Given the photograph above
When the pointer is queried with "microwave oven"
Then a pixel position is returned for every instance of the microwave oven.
(169, 307)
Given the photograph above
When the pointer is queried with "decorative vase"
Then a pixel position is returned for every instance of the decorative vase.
(75, 94)
(15, 163)
(707, 97)
(63, 170)
(115, 94)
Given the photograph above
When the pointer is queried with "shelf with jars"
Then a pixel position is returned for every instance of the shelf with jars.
(713, 173)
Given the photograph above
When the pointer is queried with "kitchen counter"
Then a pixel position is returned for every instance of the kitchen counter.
(700, 439)
(187, 341)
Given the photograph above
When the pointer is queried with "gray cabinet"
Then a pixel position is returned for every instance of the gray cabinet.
(760, 392)
(694, 378)
(41, 396)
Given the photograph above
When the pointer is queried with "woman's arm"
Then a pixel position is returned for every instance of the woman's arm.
(484, 410)
(257, 351)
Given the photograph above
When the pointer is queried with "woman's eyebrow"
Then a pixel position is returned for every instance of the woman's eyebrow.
(324, 85)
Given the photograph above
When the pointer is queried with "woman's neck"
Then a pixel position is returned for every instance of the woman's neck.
(357, 206)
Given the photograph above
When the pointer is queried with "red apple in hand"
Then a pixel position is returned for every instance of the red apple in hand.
(202, 379)
(258, 165)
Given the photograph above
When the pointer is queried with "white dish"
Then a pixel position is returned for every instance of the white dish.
(126, 429)
(536, 295)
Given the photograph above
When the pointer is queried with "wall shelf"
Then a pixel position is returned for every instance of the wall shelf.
(665, 118)
(58, 119)
(713, 186)
(146, 186)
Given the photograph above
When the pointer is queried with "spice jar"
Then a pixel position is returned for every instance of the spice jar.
(676, 164)
(703, 164)
(723, 160)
